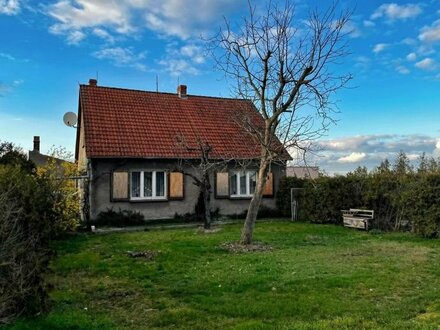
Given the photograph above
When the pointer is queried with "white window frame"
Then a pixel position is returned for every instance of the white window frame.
(248, 183)
(153, 183)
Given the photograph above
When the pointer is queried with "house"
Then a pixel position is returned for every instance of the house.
(128, 145)
(40, 160)
(303, 172)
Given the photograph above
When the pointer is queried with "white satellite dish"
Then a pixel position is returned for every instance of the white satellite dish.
(70, 119)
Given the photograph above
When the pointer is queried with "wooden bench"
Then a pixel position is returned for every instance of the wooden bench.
(357, 218)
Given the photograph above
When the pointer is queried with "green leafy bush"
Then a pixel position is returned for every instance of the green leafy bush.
(263, 212)
(401, 198)
(26, 230)
(36, 206)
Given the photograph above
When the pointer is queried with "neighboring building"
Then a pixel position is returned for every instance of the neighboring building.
(128, 144)
(303, 172)
(40, 159)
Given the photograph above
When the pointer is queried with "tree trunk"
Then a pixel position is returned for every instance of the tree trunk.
(254, 206)
(207, 215)
(206, 192)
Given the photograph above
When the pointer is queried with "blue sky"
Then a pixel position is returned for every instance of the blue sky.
(47, 48)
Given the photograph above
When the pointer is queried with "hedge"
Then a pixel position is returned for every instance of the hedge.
(407, 201)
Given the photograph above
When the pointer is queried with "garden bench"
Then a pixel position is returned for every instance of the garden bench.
(357, 218)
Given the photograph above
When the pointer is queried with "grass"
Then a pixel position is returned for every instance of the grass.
(317, 277)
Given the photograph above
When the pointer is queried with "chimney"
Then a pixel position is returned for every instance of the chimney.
(181, 91)
(36, 144)
(93, 82)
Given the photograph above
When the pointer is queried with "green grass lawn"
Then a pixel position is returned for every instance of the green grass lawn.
(316, 277)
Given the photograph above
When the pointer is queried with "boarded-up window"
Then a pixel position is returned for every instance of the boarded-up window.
(120, 186)
(176, 185)
(222, 185)
(268, 187)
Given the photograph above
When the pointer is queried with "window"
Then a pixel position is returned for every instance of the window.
(243, 183)
(148, 185)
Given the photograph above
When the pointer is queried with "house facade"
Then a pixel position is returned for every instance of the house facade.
(140, 151)
(303, 172)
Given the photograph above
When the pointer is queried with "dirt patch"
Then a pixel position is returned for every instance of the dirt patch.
(147, 255)
(235, 247)
(208, 231)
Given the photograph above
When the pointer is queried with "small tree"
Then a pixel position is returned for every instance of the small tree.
(10, 154)
(58, 171)
(284, 65)
(199, 169)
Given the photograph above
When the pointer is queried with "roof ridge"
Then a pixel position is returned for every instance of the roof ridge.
(167, 93)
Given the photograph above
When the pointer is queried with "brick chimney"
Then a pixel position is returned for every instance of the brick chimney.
(181, 91)
(93, 82)
(36, 144)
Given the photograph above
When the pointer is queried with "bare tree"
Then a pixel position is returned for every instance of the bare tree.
(285, 65)
(201, 169)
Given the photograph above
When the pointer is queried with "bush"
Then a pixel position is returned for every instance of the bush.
(26, 230)
(321, 200)
(424, 206)
(36, 206)
(193, 217)
(120, 218)
(63, 191)
(263, 212)
(401, 199)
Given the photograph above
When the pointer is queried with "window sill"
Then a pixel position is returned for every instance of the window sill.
(241, 196)
(147, 200)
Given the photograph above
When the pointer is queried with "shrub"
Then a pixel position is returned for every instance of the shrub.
(26, 230)
(63, 191)
(424, 206)
(193, 217)
(36, 206)
(401, 199)
(263, 212)
(120, 218)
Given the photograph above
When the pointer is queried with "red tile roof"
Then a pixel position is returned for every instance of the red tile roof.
(139, 124)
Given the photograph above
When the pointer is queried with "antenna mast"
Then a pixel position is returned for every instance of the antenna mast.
(157, 84)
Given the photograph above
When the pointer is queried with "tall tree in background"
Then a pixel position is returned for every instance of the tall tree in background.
(285, 65)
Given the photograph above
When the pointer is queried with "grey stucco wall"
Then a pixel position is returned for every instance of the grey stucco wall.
(100, 199)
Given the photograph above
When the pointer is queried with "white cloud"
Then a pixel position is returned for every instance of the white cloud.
(427, 64)
(79, 14)
(17, 82)
(123, 57)
(409, 41)
(413, 156)
(75, 37)
(9, 7)
(352, 30)
(430, 33)
(167, 17)
(187, 18)
(402, 69)
(178, 67)
(182, 59)
(393, 11)
(7, 88)
(7, 56)
(368, 23)
(379, 48)
(194, 52)
(345, 154)
(411, 57)
(4, 89)
(353, 157)
(103, 34)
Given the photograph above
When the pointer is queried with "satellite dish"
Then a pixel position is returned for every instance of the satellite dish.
(70, 119)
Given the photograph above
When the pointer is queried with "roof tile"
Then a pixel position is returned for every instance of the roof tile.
(140, 124)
